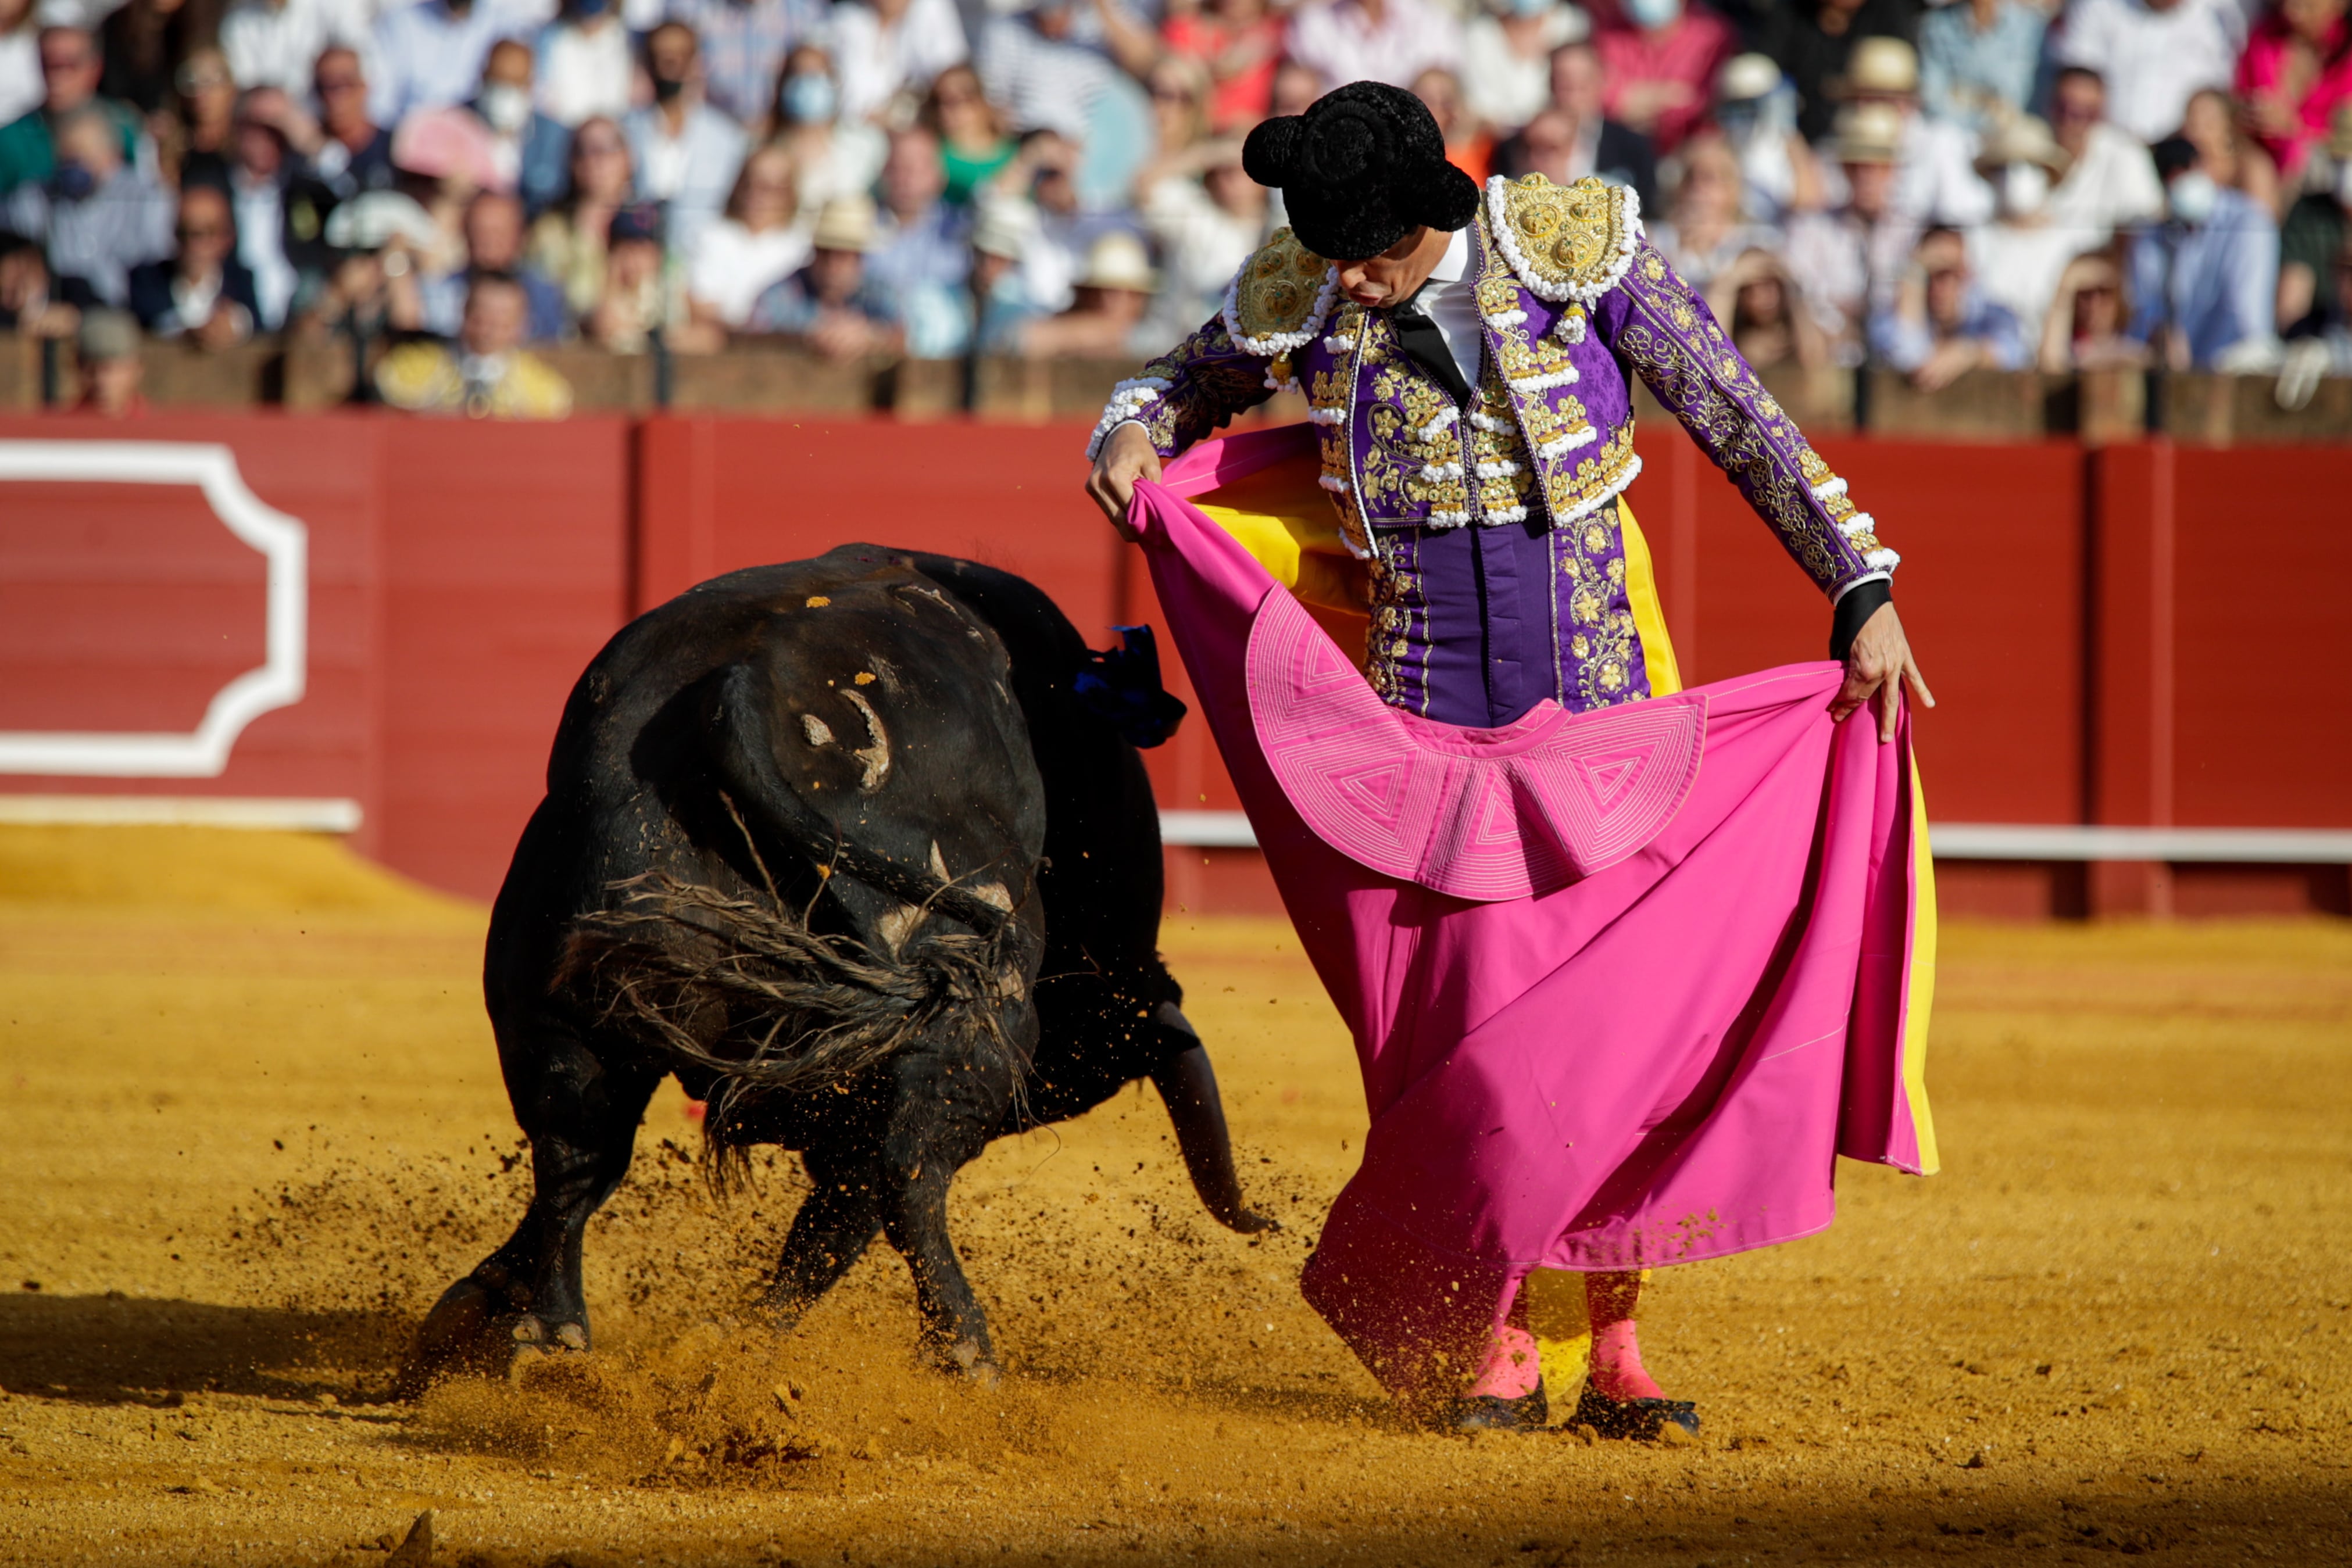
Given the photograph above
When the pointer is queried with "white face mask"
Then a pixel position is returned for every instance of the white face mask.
(506, 107)
(2024, 187)
(2192, 196)
(1652, 14)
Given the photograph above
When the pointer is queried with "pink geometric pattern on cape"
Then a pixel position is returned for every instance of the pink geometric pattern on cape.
(1487, 815)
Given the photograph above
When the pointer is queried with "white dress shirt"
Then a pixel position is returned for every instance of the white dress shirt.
(690, 172)
(2153, 61)
(1450, 300)
(1336, 39)
(2112, 185)
(277, 43)
(874, 62)
(584, 71)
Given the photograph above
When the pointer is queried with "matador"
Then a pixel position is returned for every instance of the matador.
(1467, 358)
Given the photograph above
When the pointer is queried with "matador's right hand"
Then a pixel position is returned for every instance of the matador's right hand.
(1126, 457)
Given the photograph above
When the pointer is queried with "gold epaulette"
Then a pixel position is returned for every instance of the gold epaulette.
(1280, 297)
(1568, 241)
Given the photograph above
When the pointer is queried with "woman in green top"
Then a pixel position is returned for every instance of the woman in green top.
(974, 141)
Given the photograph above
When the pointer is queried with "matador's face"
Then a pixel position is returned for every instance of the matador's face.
(1396, 272)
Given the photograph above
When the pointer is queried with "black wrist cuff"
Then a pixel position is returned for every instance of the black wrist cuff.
(1861, 602)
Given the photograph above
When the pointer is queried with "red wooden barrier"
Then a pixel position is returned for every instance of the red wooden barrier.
(1990, 591)
(505, 568)
(714, 495)
(2132, 637)
(125, 606)
(459, 576)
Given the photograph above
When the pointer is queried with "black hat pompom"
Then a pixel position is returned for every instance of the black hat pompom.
(1361, 168)
(1267, 155)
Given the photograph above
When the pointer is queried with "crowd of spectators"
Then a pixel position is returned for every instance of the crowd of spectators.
(446, 183)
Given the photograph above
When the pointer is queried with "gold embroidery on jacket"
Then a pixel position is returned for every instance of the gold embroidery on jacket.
(1573, 237)
(1600, 633)
(1735, 442)
(1499, 464)
(1279, 287)
(1396, 606)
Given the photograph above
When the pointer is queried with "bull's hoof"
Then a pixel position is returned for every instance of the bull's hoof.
(472, 1332)
(779, 1314)
(970, 1359)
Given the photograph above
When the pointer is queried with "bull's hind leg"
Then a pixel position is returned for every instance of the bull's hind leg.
(945, 1104)
(836, 1222)
(942, 1109)
(581, 1115)
(905, 1199)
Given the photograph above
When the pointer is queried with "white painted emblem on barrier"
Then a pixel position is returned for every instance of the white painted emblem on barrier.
(283, 542)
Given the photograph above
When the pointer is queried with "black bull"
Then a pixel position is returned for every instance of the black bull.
(836, 842)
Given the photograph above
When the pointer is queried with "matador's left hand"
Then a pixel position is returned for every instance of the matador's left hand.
(1880, 664)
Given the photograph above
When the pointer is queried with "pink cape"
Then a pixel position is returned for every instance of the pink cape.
(1623, 985)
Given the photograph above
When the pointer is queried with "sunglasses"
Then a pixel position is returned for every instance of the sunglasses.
(187, 232)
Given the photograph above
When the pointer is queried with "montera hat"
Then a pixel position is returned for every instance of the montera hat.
(1363, 167)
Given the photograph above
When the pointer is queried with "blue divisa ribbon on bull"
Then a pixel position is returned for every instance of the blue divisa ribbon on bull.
(1121, 688)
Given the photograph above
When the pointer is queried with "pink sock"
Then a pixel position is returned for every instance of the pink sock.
(1617, 1371)
(1510, 1370)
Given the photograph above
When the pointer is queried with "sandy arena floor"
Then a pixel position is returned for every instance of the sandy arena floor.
(253, 1125)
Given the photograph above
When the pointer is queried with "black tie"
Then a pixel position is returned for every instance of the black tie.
(1424, 342)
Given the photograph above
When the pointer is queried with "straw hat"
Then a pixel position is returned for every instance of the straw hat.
(1747, 77)
(373, 219)
(1119, 260)
(999, 232)
(108, 335)
(844, 223)
(1880, 67)
(1868, 133)
(2023, 140)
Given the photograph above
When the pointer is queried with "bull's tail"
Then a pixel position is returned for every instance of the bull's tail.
(744, 987)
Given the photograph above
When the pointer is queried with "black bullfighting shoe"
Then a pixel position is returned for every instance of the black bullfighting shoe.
(1642, 1418)
(1492, 1413)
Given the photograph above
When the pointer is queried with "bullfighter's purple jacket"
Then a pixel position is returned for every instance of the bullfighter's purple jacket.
(1474, 624)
